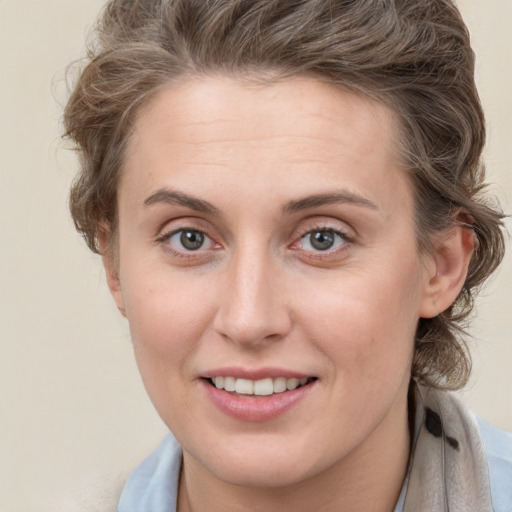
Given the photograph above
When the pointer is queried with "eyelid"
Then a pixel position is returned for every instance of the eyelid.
(343, 233)
(322, 223)
(182, 222)
(168, 234)
(340, 234)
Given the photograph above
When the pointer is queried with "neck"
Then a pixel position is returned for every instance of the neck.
(369, 479)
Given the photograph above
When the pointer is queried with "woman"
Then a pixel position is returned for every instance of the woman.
(287, 197)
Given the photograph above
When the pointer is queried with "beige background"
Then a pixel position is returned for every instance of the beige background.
(71, 404)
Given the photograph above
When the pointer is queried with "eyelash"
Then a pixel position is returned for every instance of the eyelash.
(318, 254)
(165, 238)
(327, 253)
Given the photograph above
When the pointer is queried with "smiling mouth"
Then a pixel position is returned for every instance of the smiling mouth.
(262, 387)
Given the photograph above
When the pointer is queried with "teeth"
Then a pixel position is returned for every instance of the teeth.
(263, 387)
(292, 384)
(244, 387)
(279, 385)
(229, 383)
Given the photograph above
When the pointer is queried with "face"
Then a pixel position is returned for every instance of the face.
(269, 270)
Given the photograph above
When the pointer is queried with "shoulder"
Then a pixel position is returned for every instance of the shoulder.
(92, 494)
(498, 448)
(153, 485)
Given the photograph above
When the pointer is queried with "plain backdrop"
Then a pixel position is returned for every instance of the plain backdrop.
(71, 402)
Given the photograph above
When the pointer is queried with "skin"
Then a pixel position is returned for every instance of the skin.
(258, 294)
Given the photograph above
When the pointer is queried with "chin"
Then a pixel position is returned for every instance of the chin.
(271, 474)
(271, 463)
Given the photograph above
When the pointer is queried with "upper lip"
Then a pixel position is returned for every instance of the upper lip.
(254, 373)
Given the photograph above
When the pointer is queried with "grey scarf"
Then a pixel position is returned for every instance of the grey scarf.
(448, 467)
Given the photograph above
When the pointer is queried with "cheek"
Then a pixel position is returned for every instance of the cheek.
(366, 321)
(167, 321)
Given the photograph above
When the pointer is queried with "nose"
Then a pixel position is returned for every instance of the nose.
(253, 306)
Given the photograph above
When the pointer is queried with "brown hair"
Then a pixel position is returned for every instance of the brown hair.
(413, 55)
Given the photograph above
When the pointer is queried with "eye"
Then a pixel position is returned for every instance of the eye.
(322, 240)
(188, 240)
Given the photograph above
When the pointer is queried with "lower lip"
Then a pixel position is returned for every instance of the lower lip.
(255, 408)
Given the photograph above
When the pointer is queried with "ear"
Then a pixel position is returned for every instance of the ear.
(111, 265)
(446, 270)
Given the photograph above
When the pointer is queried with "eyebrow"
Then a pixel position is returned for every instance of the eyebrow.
(166, 196)
(314, 201)
(172, 197)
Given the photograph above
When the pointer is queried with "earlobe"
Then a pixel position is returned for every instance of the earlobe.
(111, 266)
(446, 270)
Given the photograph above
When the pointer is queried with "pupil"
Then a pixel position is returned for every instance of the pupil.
(322, 240)
(192, 240)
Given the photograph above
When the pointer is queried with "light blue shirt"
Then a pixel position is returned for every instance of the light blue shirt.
(498, 448)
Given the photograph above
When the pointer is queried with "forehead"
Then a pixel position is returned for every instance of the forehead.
(296, 130)
(302, 105)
